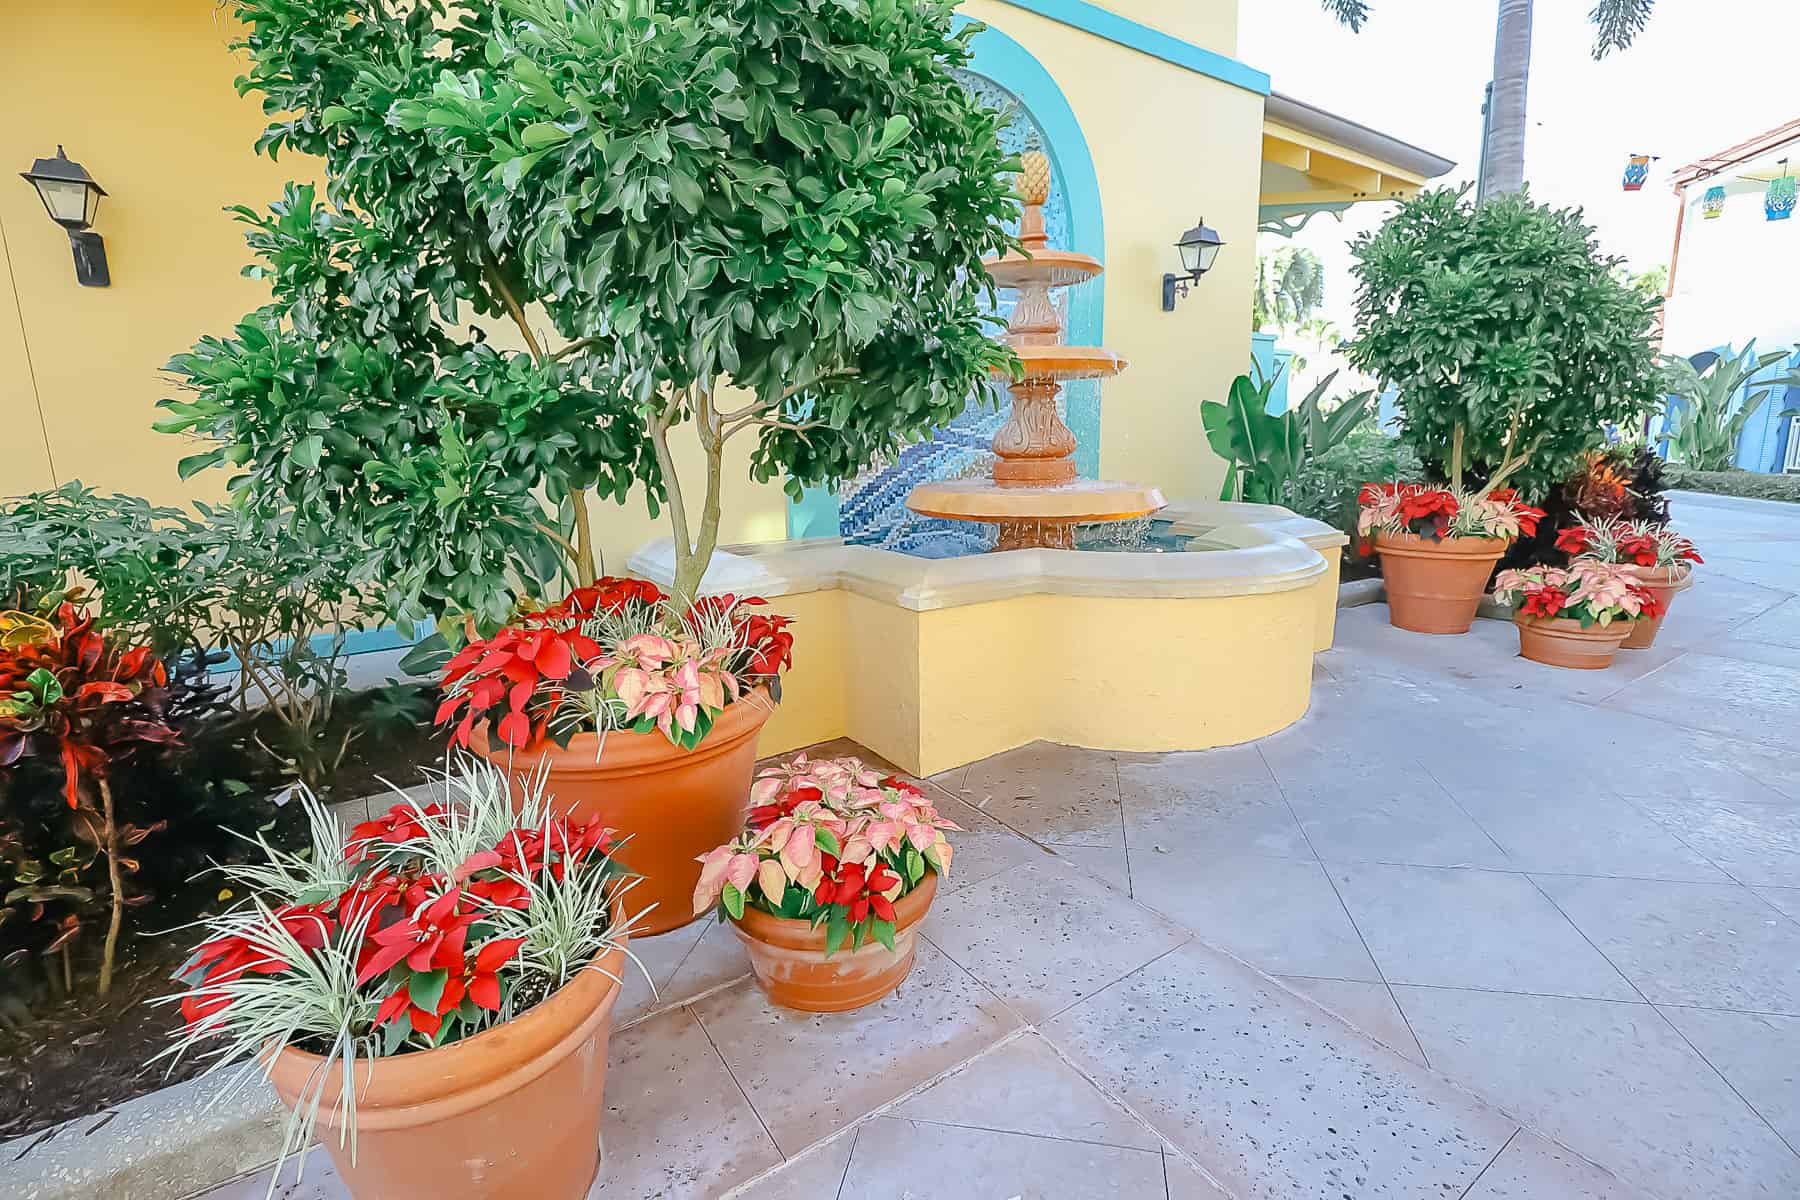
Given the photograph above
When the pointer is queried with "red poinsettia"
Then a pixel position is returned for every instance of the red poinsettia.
(518, 677)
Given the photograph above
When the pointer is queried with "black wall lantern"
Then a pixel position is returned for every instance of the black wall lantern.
(1198, 247)
(71, 197)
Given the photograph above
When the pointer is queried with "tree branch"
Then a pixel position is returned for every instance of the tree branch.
(575, 347)
(490, 269)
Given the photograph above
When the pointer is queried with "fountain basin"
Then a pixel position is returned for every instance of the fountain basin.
(934, 663)
(1063, 363)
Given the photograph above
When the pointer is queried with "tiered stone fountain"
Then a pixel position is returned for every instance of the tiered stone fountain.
(1034, 495)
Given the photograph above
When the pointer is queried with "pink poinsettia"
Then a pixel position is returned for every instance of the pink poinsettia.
(672, 682)
(826, 836)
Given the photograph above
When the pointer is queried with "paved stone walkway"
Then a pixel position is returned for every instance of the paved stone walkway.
(1563, 906)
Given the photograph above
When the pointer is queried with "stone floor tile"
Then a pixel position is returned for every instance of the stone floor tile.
(1109, 864)
(1785, 899)
(1712, 945)
(855, 1062)
(1392, 812)
(1186, 1183)
(1044, 937)
(318, 1181)
(1535, 1168)
(897, 1158)
(1780, 625)
(676, 1124)
(1024, 1086)
(1752, 701)
(1049, 792)
(1602, 835)
(1280, 914)
(1759, 1055)
(1480, 929)
(1756, 843)
(1369, 1007)
(1614, 1082)
(657, 959)
(1274, 1098)
(718, 958)
(1211, 803)
(985, 847)
(818, 1174)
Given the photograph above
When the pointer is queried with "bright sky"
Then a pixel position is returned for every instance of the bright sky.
(1703, 75)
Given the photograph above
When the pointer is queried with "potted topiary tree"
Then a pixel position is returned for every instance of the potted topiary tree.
(1514, 346)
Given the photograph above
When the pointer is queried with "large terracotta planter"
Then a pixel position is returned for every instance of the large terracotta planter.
(788, 957)
(1436, 586)
(1663, 586)
(674, 805)
(1562, 642)
(509, 1114)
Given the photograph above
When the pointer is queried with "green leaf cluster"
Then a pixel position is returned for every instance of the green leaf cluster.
(1508, 334)
(789, 199)
(1705, 427)
(1267, 451)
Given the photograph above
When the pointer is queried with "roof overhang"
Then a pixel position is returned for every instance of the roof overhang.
(1315, 161)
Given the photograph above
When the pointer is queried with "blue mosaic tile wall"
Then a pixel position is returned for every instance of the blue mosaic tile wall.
(872, 507)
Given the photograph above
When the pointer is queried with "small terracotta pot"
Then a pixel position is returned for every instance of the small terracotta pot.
(510, 1114)
(1436, 586)
(673, 804)
(788, 957)
(1663, 586)
(1562, 642)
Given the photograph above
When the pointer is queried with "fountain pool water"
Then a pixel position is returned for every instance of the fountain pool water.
(935, 539)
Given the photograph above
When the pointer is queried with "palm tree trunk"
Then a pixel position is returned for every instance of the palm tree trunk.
(1504, 154)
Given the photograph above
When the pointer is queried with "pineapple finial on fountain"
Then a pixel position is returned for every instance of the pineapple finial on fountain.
(1034, 495)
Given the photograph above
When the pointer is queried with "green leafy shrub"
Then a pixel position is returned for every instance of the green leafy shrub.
(1266, 452)
(1510, 339)
(1706, 426)
(1749, 484)
(1326, 488)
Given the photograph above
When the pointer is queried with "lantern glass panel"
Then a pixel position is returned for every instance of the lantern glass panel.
(67, 200)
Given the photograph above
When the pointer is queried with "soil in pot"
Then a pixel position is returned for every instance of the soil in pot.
(788, 957)
(510, 1114)
(1436, 586)
(1663, 587)
(670, 805)
(1562, 642)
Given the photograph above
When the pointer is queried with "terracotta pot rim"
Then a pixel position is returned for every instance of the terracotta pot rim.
(1571, 627)
(794, 933)
(429, 1085)
(627, 750)
(1451, 547)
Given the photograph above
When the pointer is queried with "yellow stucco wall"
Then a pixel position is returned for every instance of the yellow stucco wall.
(153, 115)
(934, 690)
(139, 92)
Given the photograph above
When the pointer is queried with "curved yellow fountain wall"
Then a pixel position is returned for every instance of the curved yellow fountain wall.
(933, 665)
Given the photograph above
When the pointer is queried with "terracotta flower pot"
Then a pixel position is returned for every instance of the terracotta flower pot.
(1664, 587)
(510, 1114)
(1436, 586)
(674, 805)
(1562, 642)
(788, 957)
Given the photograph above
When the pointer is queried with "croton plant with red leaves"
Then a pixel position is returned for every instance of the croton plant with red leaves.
(617, 655)
(832, 842)
(72, 694)
(426, 925)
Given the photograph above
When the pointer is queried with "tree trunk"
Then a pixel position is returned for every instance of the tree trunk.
(110, 835)
(1504, 154)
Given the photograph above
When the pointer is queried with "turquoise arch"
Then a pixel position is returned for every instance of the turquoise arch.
(1008, 64)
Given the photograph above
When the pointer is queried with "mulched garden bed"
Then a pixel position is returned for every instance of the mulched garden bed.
(68, 1054)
